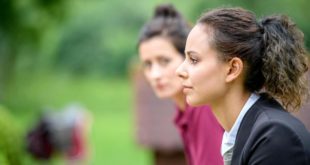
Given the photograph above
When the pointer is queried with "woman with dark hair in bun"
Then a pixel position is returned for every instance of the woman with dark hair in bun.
(161, 49)
(252, 74)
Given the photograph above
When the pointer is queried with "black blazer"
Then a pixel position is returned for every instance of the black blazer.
(268, 135)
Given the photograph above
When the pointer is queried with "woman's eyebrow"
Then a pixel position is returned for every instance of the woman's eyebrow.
(190, 52)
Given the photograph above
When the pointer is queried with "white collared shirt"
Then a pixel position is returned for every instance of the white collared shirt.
(229, 138)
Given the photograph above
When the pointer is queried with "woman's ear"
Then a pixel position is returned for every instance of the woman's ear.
(235, 68)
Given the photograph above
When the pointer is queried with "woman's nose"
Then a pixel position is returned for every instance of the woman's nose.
(181, 71)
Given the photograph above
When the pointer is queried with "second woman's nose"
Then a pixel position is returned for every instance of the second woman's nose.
(156, 72)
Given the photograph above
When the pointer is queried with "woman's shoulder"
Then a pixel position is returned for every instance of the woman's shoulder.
(278, 124)
(277, 141)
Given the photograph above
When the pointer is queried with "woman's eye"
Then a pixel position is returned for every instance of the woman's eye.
(193, 60)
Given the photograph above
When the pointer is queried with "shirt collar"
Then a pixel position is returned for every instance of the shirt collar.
(229, 138)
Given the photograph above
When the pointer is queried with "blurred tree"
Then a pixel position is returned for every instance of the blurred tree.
(102, 40)
(22, 24)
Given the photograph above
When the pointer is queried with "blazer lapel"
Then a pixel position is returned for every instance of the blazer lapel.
(245, 129)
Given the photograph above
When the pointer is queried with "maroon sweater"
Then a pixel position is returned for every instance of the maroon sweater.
(201, 135)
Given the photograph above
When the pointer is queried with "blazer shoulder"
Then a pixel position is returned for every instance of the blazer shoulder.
(270, 135)
(276, 142)
(283, 131)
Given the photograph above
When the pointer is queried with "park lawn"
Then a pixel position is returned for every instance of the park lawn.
(109, 102)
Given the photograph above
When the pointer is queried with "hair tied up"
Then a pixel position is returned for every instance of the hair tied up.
(166, 10)
(285, 57)
(261, 27)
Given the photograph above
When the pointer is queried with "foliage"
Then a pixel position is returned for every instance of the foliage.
(22, 24)
(103, 40)
(10, 143)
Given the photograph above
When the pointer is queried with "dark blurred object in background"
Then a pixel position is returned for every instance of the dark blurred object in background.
(63, 132)
(38, 142)
(155, 128)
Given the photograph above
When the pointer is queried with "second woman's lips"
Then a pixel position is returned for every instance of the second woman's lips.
(160, 86)
(186, 88)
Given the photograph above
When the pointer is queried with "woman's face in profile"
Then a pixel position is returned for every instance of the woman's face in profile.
(203, 73)
(160, 60)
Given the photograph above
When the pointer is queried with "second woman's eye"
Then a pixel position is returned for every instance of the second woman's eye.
(146, 64)
(164, 61)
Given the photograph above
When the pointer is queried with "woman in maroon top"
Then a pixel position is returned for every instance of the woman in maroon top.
(161, 49)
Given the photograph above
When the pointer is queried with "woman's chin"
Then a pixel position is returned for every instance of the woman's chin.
(193, 102)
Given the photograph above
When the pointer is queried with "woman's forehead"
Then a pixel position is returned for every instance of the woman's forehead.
(197, 37)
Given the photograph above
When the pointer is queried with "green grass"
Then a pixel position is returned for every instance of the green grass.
(109, 102)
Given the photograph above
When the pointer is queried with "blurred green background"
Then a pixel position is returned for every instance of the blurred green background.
(55, 52)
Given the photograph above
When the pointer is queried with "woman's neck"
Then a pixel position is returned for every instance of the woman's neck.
(179, 100)
(229, 108)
